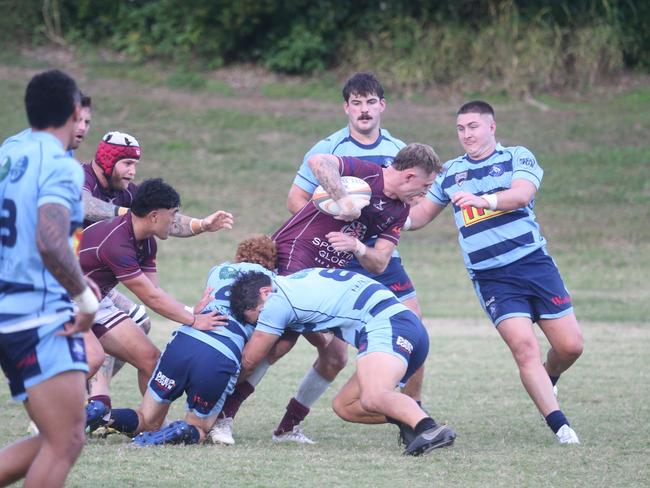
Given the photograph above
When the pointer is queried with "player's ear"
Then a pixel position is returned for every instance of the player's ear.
(265, 291)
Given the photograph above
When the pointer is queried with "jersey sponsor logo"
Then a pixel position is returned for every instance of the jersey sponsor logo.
(164, 382)
(404, 344)
(473, 215)
(497, 169)
(18, 169)
(328, 257)
(401, 286)
(77, 349)
(460, 178)
(5, 166)
(530, 162)
(561, 300)
(491, 307)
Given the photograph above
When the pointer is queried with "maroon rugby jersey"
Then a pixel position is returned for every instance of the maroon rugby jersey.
(109, 252)
(301, 241)
(121, 198)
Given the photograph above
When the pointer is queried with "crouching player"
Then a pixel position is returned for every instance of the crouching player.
(392, 342)
(203, 364)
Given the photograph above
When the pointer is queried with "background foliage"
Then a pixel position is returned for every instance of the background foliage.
(519, 46)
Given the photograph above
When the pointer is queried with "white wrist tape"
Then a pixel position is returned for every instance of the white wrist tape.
(491, 199)
(407, 224)
(360, 249)
(86, 301)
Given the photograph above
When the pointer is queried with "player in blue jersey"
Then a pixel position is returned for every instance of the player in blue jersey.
(391, 340)
(203, 364)
(492, 190)
(41, 349)
(81, 130)
(363, 137)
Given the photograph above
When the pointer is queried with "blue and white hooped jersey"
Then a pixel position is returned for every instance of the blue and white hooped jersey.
(33, 171)
(229, 339)
(321, 299)
(491, 239)
(382, 152)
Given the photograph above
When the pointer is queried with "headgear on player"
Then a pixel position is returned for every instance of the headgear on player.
(114, 147)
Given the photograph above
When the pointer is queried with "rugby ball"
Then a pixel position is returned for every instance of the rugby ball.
(357, 188)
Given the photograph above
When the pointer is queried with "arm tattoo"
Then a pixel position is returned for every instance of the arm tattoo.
(327, 174)
(96, 209)
(52, 240)
(181, 226)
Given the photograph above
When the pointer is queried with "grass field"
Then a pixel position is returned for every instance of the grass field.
(234, 139)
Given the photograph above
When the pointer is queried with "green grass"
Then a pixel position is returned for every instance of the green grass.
(239, 151)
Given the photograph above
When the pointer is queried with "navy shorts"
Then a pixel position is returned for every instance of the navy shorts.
(401, 335)
(530, 287)
(196, 368)
(31, 356)
(394, 277)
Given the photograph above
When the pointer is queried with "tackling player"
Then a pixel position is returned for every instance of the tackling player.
(391, 340)
(492, 191)
(314, 239)
(203, 364)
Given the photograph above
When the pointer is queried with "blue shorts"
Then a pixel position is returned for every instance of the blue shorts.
(530, 287)
(394, 277)
(401, 335)
(32, 356)
(196, 368)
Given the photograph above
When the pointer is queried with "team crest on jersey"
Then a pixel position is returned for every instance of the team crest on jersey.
(18, 169)
(227, 273)
(460, 178)
(5, 166)
(497, 169)
(473, 215)
(356, 229)
(298, 275)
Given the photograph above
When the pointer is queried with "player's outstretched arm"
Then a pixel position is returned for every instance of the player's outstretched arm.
(185, 226)
(96, 209)
(164, 304)
(423, 213)
(53, 245)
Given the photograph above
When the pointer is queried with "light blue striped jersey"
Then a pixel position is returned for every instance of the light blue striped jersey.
(382, 152)
(23, 135)
(491, 239)
(319, 299)
(33, 171)
(229, 339)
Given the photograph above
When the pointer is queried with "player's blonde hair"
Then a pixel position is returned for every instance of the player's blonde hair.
(259, 249)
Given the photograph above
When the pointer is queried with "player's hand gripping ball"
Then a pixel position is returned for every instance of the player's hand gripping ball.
(356, 188)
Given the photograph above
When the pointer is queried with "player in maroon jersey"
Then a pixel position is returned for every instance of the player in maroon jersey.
(314, 239)
(123, 250)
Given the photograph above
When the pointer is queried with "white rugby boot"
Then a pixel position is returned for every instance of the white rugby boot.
(221, 432)
(295, 435)
(566, 435)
